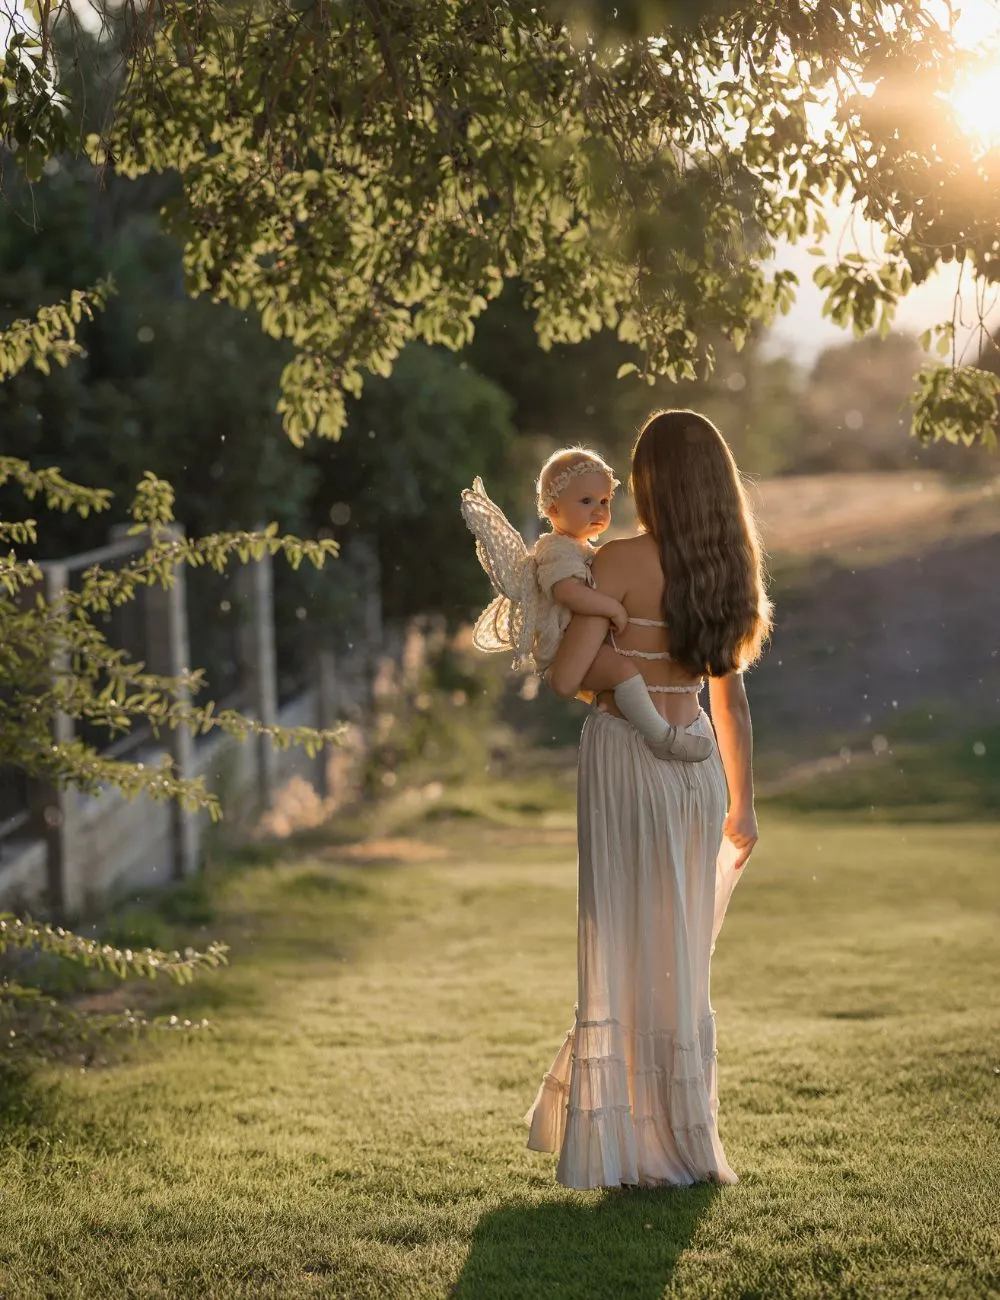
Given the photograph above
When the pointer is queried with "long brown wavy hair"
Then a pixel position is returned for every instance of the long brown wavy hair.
(689, 497)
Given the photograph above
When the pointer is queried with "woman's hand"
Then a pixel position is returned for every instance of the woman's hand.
(619, 619)
(740, 828)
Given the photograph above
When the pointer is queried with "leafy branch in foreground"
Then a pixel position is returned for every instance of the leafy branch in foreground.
(36, 1021)
(50, 336)
(58, 492)
(957, 405)
(55, 662)
(55, 659)
(146, 963)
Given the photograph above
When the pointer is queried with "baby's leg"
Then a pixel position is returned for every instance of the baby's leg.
(613, 672)
(609, 670)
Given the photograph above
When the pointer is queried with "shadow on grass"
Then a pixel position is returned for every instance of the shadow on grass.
(625, 1244)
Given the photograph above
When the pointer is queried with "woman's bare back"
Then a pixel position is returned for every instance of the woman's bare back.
(630, 570)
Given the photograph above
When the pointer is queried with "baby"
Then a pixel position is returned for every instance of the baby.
(540, 590)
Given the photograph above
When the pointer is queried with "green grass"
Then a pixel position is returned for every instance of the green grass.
(351, 1127)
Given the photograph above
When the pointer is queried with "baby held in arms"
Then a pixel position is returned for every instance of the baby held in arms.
(538, 591)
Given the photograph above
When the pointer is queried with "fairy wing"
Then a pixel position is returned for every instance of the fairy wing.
(493, 631)
(499, 546)
(507, 622)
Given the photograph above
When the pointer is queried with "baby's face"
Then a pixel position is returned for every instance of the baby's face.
(583, 510)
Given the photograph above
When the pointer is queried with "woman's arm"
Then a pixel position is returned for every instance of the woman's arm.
(731, 716)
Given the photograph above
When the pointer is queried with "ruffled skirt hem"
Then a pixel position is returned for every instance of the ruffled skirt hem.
(650, 1125)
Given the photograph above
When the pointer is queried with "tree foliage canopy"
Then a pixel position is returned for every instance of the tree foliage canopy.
(362, 173)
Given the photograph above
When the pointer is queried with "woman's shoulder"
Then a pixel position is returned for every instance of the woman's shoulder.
(628, 551)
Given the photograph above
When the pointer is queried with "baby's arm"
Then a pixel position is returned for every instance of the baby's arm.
(581, 599)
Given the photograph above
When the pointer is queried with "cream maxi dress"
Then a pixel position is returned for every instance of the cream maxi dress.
(632, 1097)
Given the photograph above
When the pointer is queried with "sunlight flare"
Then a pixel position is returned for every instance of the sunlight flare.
(977, 105)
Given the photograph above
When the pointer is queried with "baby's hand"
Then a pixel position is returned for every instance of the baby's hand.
(620, 619)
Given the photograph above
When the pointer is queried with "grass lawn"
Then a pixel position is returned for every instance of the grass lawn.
(352, 1125)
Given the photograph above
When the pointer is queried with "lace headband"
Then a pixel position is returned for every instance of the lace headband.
(558, 485)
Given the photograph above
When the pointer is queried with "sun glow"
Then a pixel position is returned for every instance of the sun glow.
(976, 102)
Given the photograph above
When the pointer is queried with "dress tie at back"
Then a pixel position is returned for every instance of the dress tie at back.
(690, 688)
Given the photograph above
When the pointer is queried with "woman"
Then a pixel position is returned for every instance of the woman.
(631, 1098)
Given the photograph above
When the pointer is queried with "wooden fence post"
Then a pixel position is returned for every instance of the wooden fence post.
(326, 713)
(55, 807)
(168, 653)
(362, 555)
(257, 648)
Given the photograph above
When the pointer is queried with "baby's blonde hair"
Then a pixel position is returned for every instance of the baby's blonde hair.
(563, 466)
